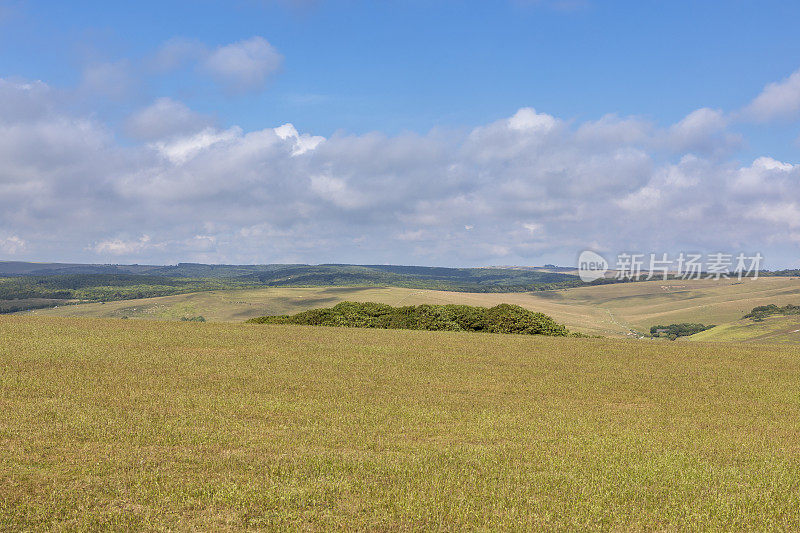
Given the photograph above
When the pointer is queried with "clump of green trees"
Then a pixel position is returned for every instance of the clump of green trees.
(763, 311)
(503, 318)
(673, 331)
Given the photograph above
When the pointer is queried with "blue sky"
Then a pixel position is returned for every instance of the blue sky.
(414, 65)
(390, 80)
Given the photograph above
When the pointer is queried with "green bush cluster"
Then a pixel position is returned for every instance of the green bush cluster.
(673, 331)
(503, 318)
(761, 312)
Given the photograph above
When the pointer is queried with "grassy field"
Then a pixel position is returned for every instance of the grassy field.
(111, 424)
(641, 305)
(608, 310)
(774, 329)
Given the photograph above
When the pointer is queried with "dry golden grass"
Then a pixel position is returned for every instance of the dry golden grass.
(774, 329)
(708, 301)
(111, 424)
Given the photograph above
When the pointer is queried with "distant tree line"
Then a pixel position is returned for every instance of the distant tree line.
(31, 292)
(503, 318)
(16, 305)
(791, 272)
(104, 286)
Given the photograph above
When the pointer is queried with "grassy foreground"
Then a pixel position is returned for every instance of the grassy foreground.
(168, 425)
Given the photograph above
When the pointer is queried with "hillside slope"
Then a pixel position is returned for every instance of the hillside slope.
(776, 329)
(609, 310)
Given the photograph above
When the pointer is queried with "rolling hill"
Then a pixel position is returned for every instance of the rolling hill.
(776, 329)
(623, 309)
(288, 275)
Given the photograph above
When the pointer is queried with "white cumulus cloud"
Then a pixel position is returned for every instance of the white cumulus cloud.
(179, 150)
(243, 65)
(778, 100)
(123, 247)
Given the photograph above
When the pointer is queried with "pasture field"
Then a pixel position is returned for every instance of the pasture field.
(641, 305)
(146, 425)
(774, 329)
(607, 310)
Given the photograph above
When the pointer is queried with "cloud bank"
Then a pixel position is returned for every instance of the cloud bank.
(526, 189)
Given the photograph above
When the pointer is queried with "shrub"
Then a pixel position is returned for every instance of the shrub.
(506, 318)
(673, 331)
(503, 318)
